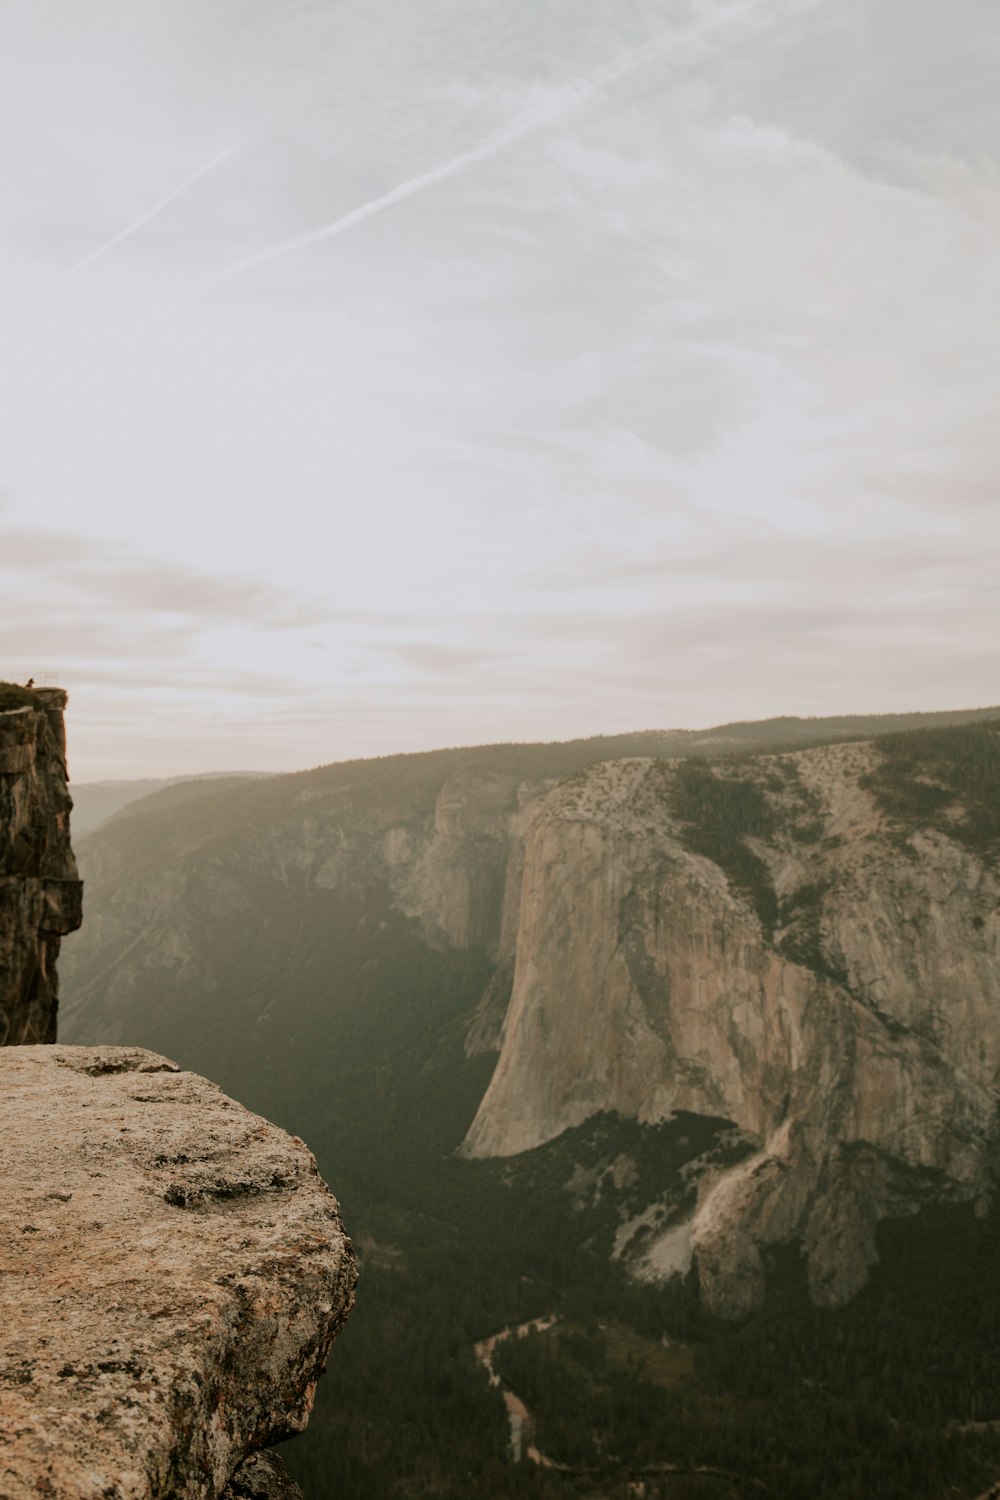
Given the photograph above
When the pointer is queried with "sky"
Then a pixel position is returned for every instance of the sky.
(378, 375)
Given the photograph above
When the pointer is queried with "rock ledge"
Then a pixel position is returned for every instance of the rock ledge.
(173, 1271)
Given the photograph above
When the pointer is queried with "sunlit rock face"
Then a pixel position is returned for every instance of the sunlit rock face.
(40, 893)
(647, 983)
(174, 1271)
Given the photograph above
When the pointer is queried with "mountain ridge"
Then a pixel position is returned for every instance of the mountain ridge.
(95, 802)
(213, 908)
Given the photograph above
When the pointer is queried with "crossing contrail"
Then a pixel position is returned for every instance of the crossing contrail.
(560, 104)
(159, 207)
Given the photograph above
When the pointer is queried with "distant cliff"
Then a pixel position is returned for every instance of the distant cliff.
(800, 946)
(40, 892)
(828, 981)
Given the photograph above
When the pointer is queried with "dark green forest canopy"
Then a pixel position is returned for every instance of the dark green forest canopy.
(947, 779)
(718, 812)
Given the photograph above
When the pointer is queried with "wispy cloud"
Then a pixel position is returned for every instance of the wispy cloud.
(125, 583)
(551, 110)
(161, 205)
(660, 386)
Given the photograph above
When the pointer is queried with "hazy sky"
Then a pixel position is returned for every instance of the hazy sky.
(383, 374)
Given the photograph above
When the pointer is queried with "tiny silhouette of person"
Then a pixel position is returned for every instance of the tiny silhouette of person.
(30, 682)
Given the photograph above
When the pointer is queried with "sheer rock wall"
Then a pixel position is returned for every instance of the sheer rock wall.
(646, 983)
(40, 892)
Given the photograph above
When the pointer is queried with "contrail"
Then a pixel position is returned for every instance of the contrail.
(561, 103)
(159, 207)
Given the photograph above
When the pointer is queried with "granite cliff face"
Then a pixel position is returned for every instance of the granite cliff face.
(40, 892)
(855, 1044)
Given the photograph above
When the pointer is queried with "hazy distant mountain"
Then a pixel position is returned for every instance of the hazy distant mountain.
(94, 802)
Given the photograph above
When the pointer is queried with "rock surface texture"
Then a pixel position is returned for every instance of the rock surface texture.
(174, 1271)
(40, 893)
(262, 1476)
(856, 1044)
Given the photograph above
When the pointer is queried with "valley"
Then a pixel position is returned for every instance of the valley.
(498, 524)
(522, 1449)
(695, 1049)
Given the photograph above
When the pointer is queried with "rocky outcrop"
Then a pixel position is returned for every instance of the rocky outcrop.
(40, 893)
(857, 1044)
(174, 1273)
(262, 1476)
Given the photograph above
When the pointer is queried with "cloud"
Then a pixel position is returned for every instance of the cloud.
(73, 567)
(459, 663)
(676, 405)
(677, 44)
(161, 205)
(499, 141)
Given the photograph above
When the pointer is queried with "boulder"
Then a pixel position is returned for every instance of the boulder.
(173, 1272)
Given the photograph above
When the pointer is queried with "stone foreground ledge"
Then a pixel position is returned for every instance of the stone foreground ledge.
(173, 1271)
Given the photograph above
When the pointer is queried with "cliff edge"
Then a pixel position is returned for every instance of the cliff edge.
(174, 1271)
(40, 892)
